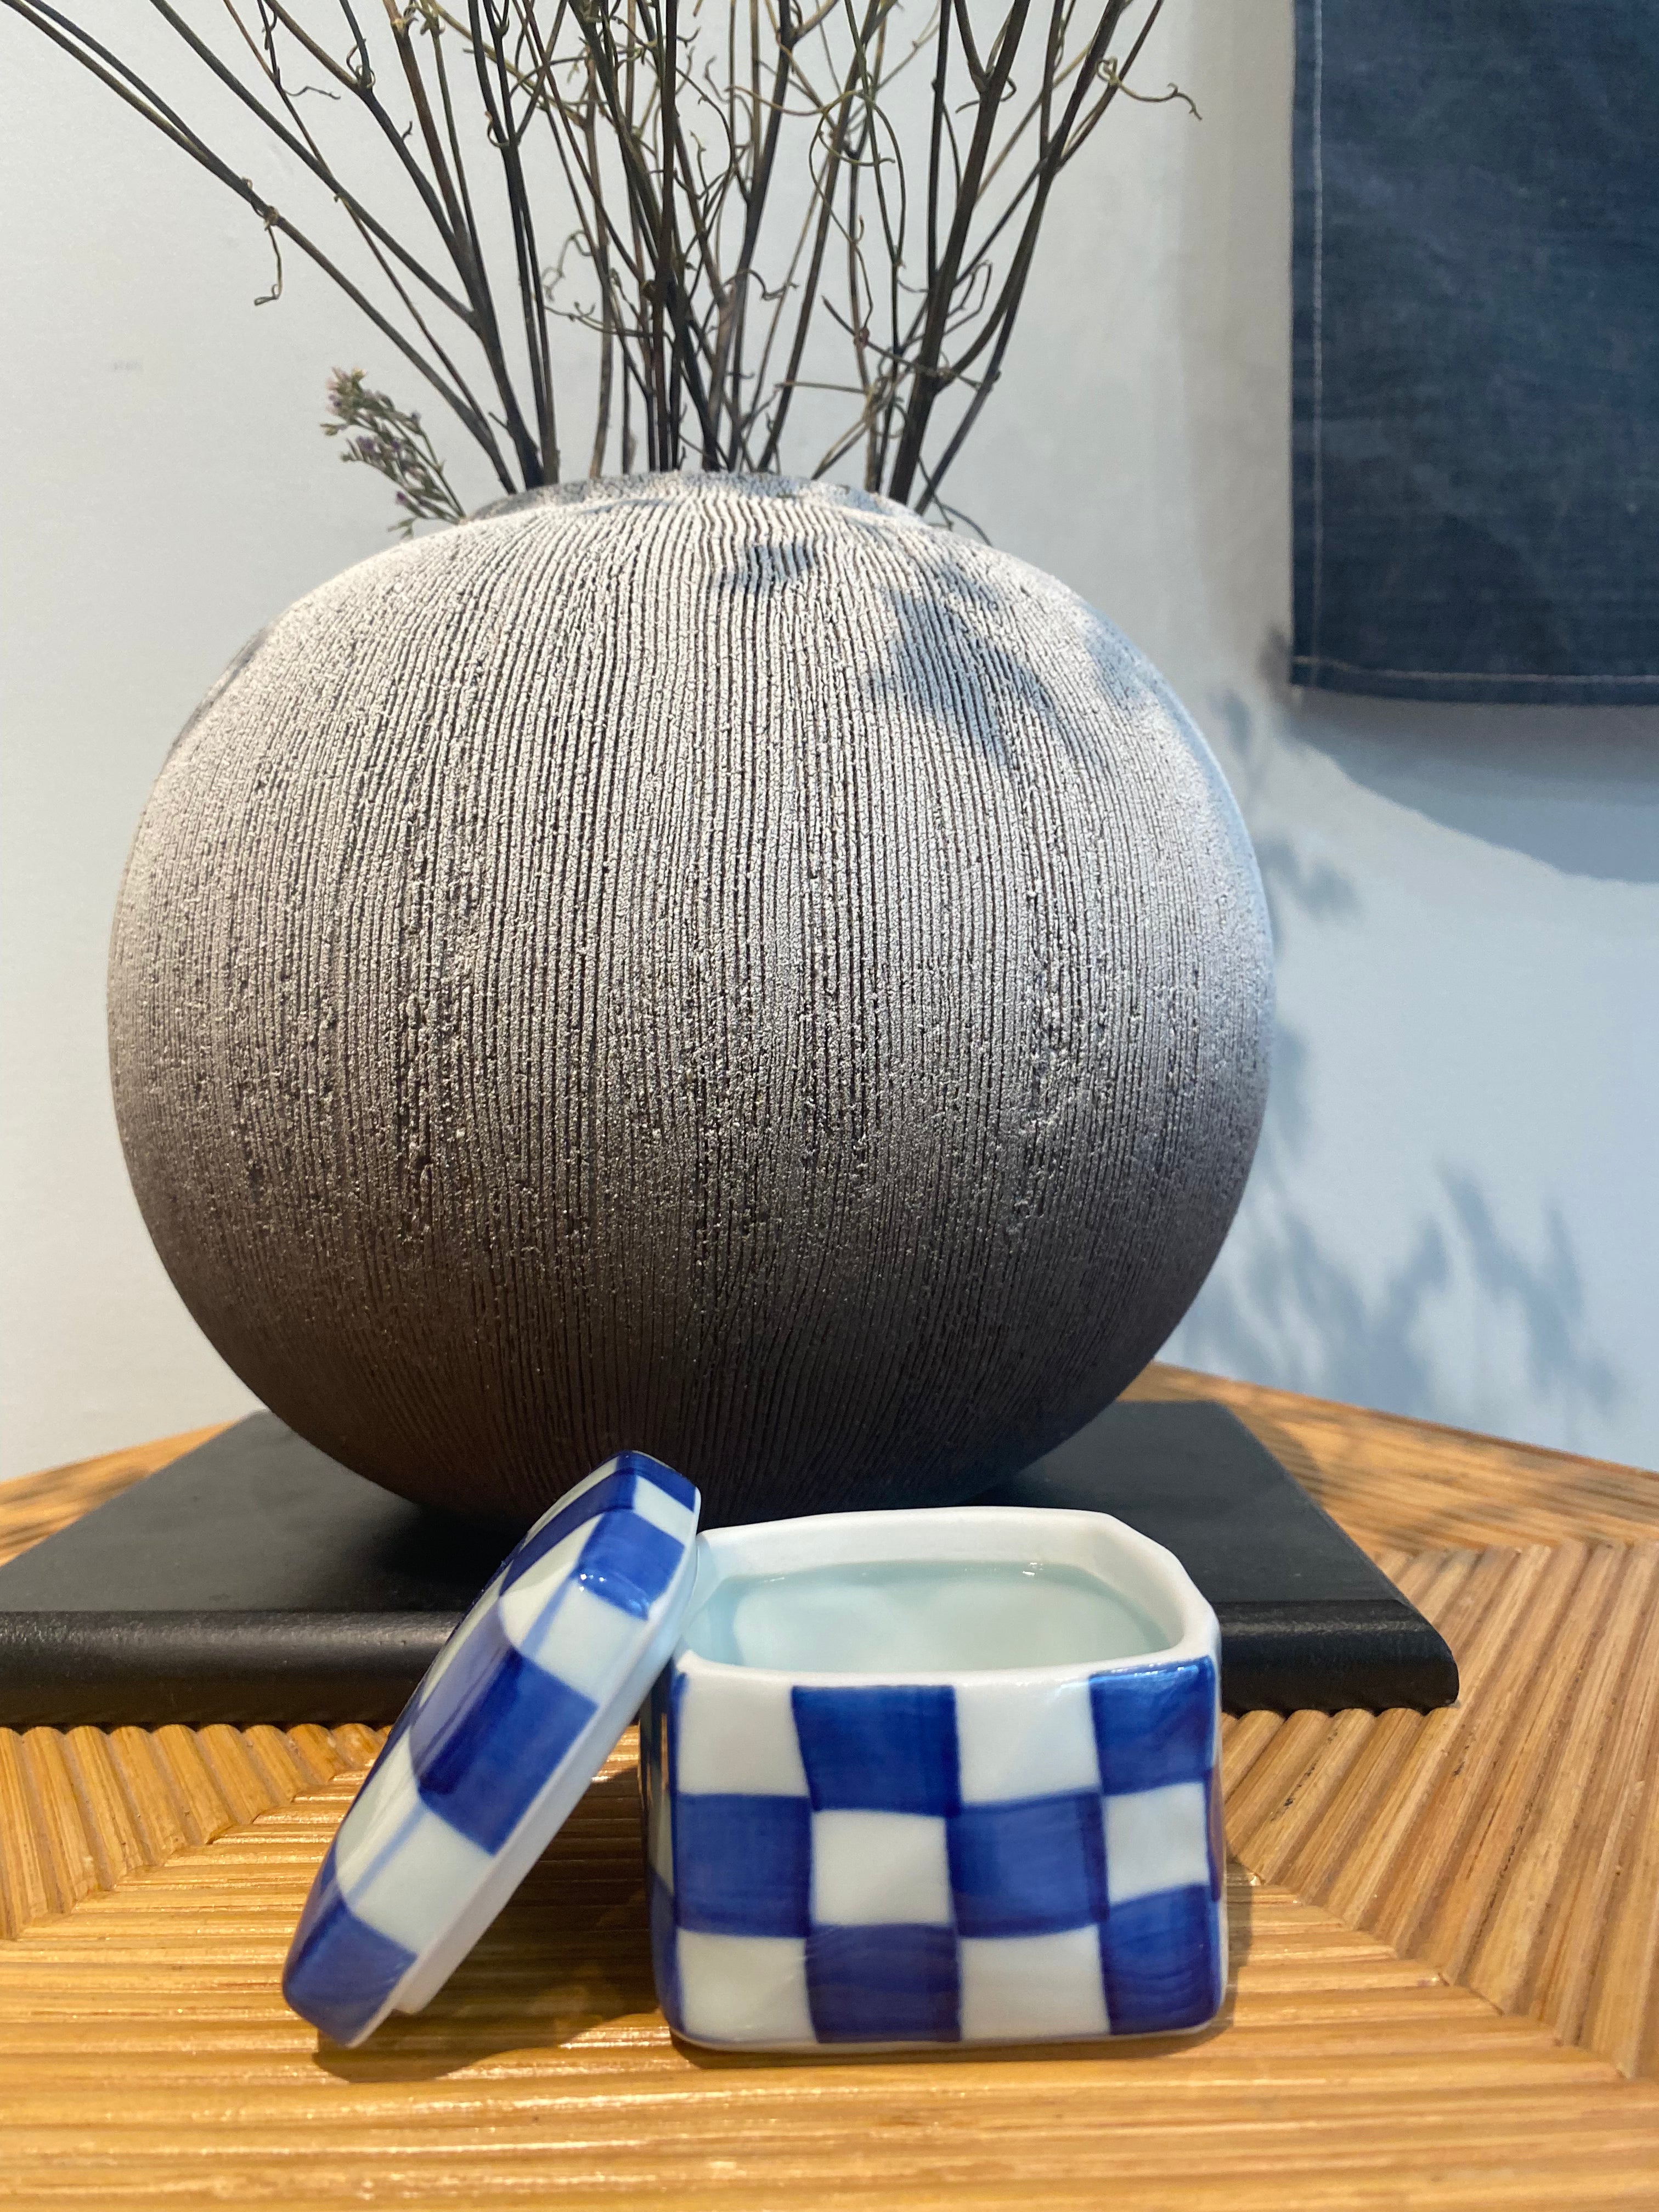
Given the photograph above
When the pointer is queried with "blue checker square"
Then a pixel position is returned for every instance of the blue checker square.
(438, 1718)
(490, 1735)
(1154, 1725)
(611, 1493)
(617, 1491)
(885, 1984)
(1030, 1868)
(340, 1971)
(885, 1749)
(629, 1562)
(743, 1866)
(1161, 1956)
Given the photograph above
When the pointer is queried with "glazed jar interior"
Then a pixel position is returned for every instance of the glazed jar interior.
(896, 1616)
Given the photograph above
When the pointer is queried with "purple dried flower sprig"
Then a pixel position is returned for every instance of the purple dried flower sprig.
(390, 441)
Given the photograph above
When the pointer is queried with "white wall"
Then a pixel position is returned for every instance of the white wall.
(1456, 1210)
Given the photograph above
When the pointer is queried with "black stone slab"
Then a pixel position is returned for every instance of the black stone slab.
(1306, 1618)
(256, 1580)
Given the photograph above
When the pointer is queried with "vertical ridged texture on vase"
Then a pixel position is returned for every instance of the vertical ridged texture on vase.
(703, 964)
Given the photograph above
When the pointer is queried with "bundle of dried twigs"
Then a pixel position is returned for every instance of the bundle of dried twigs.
(740, 206)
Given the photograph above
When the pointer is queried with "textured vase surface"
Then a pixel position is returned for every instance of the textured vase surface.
(706, 964)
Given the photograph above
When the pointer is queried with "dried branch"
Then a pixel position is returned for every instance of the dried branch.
(773, 247)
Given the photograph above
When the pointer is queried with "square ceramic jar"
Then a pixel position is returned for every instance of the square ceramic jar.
(936, 1853)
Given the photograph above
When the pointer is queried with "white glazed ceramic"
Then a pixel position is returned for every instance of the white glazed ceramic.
(967, 1855)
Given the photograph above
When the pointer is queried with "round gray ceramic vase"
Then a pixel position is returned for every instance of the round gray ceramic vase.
(704, 963)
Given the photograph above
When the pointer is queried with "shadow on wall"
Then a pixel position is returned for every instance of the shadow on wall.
(1439, 1307)
(1575, 787)
(1282, 1305)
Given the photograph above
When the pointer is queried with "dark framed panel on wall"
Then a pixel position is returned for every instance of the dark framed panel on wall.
(1476, 477)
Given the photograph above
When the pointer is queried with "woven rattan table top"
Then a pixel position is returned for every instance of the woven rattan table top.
(1445, 1936)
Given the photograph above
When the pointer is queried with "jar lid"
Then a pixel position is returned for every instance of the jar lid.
(513, 1720)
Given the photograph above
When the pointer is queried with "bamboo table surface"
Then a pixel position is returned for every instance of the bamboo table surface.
(1445, 1958)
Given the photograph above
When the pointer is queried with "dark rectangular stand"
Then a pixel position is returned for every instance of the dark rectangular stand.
(1306, 1618)
(257, 1580)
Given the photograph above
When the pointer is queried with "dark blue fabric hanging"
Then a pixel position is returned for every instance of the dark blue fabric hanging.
(1476, 285)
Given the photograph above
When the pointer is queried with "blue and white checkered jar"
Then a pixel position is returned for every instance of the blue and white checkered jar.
(978, 1856)
(914, 1833)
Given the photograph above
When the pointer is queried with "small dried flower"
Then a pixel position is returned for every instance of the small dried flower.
(392, 443)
